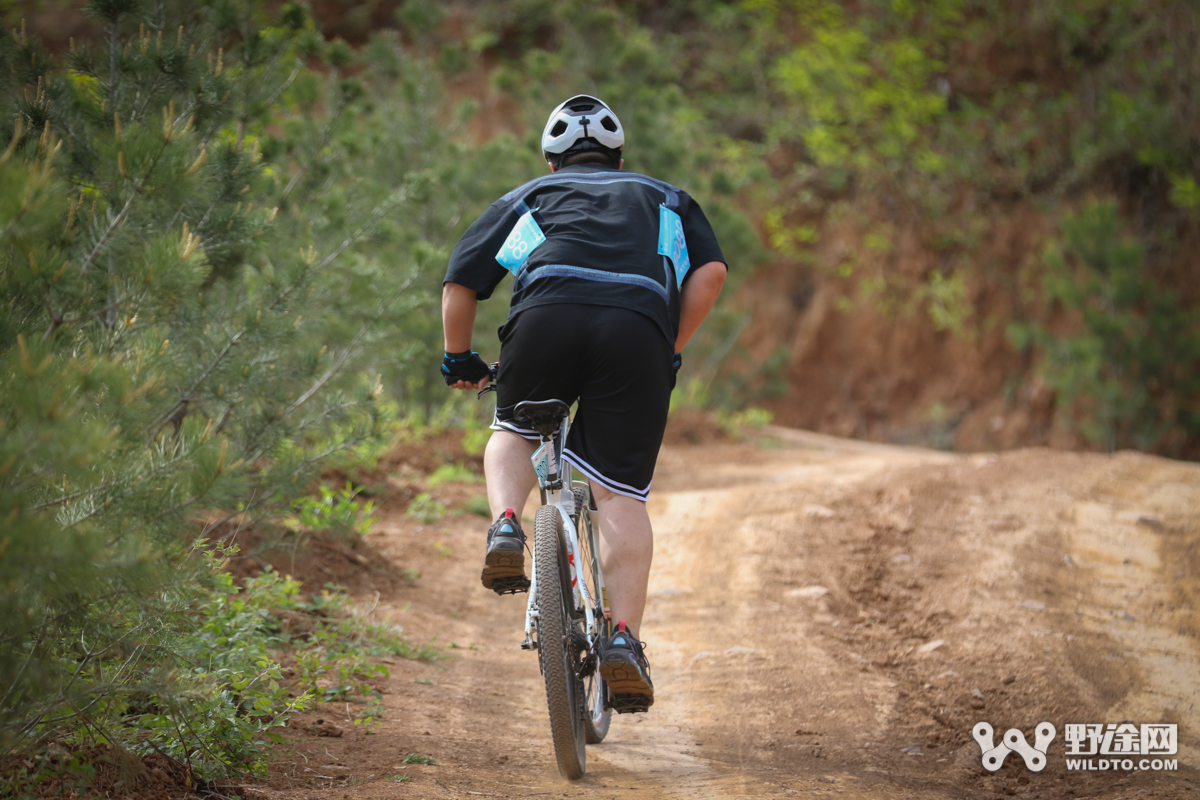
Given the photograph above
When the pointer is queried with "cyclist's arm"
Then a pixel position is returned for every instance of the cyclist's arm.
(458, 323)
(700, 293)
(458, 316)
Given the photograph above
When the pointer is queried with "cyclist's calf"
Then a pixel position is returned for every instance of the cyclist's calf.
(510, 478)
(626, 550)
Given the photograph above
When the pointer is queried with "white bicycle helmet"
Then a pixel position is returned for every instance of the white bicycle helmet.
(581, 117)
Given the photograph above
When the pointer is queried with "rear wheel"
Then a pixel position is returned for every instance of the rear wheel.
(558, 650)
(596, 717)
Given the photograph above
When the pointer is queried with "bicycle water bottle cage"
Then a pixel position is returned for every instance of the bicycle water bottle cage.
(542, 415)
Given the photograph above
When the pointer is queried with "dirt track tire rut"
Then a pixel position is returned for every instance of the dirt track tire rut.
(839, 640)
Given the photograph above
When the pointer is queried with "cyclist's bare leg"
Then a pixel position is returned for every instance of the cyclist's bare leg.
(509, 473)
(626, 550)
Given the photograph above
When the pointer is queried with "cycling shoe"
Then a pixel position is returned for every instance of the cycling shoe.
(504, 564)
(625, 670)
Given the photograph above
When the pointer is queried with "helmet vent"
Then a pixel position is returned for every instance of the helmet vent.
(581, 120)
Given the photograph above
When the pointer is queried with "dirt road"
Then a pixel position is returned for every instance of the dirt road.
(827, 618)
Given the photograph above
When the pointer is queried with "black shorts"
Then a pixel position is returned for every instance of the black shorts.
(615, 362)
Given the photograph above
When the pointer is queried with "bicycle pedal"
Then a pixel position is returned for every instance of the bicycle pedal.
(512, 585)
(631, 703)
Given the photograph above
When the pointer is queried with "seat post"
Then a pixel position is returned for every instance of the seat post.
(546, 417)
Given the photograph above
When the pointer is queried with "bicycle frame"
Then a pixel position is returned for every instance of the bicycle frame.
(557, 489)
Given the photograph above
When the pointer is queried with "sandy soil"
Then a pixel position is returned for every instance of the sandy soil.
(800, 589)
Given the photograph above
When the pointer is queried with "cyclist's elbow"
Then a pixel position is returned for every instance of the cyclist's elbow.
(708, 279)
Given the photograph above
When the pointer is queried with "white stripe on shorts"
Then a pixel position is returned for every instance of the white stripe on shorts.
(512, 427)
(613, 486)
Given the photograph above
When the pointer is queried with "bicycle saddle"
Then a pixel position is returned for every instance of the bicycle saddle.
(543, 415)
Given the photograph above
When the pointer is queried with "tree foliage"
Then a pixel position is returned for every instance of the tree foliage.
(1129, 374)
(209, 253)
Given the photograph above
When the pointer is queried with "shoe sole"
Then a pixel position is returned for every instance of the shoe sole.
(625, 679)
(504, 573)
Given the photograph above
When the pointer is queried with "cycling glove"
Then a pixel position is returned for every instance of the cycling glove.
(466, 366)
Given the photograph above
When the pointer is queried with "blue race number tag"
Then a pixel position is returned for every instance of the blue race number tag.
(522, 240)
(671, 242)
(541, 462)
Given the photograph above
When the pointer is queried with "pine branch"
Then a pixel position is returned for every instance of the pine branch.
(283, 87)
(60, 322)
(345, 354)
(333, 370)
(210, 527)
(326, 135)
(115, 484)
(395, 198)
(120, 218)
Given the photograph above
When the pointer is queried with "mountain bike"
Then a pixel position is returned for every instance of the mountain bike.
(568, 615)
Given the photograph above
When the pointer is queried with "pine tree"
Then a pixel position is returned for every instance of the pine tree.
(164, 346)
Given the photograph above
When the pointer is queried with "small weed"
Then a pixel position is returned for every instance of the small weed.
(336, 511)
(410, 576)
(738, 423)
(333, 660)
(478, 504)
(443, 550)
(475, 439)
(344, 674)
(424, 681)
(401, 778)
(371, 716)
(451, 472)
(54, 765)
(422, 652)
(415, 758)
(425, 509)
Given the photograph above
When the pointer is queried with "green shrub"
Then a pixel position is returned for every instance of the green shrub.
(231, 694)
(739, 423)
(336, 510)
(425, 509)
(414, 758)
(1128, 374)
(451, 473)
(478, 504)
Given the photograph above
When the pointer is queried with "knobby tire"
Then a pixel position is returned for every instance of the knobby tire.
(556, 648)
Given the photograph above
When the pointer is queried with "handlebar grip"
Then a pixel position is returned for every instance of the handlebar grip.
(494, 371)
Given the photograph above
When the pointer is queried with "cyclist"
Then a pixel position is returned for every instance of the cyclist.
(613, 272)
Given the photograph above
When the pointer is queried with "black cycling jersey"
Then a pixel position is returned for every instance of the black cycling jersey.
(589, 234)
